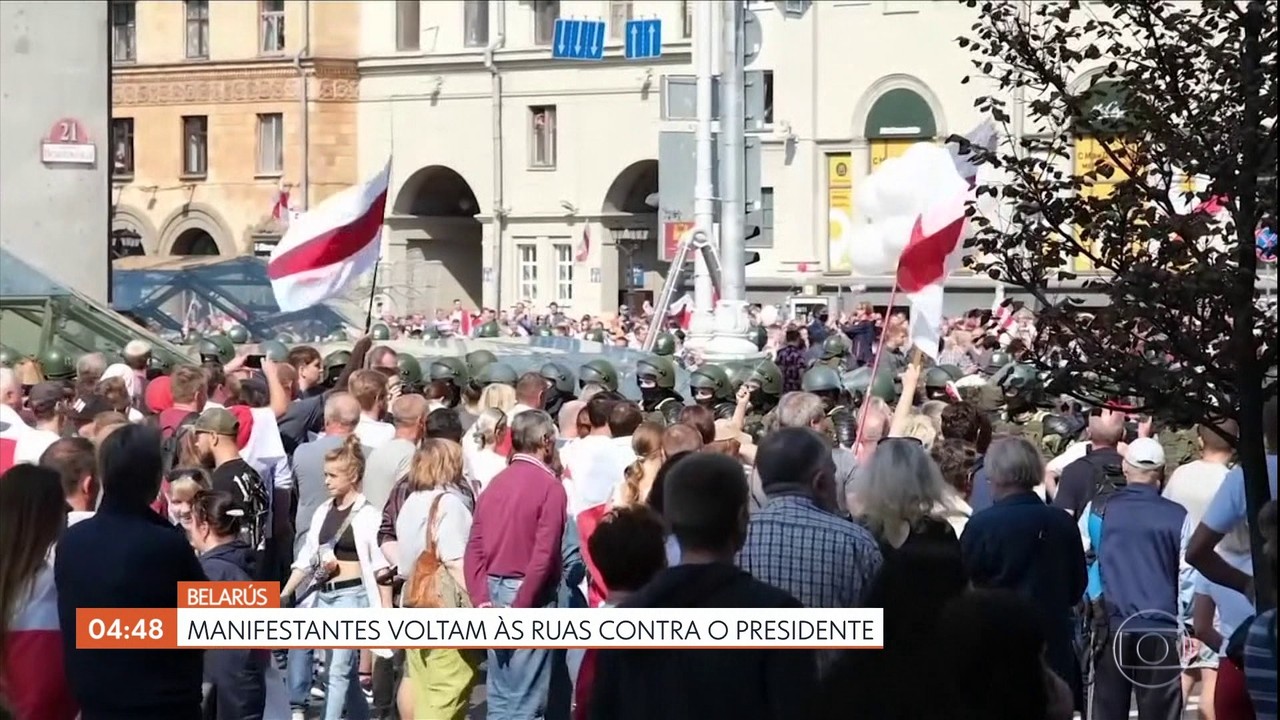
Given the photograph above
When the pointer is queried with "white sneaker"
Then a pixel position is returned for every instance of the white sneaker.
(298, 715)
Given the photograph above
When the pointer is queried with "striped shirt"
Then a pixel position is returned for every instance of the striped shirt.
(1260, 665)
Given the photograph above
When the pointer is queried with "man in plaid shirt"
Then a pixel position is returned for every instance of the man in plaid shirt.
(791, 361)
(796, 542)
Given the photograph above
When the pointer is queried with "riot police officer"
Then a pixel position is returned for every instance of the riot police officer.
(495, 373)
(560, 385)
(57, 365)
(997, 361)
(1021, 389)
(759, 335)
(410, 373)
(9, 357)
(834, 351)
(824, 381)
(712, 389)
(274, 350)
(334, 363)
(599, 371)
(216, 349)
(936, 380)
(664, 345)
(764, 383)
(380, 331)
(656, 378)
(453, 372)
(477, 359)
(238, 334)
(595, 335)
(489, 330)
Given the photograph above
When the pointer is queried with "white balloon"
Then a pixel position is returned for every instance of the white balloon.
(867, 202)
(896, 193)
(895, 233)
(867, 254)
(768, 315)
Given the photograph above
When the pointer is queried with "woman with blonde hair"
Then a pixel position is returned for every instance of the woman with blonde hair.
(33, 513)
(438, 681)
(480, 457)
(129, 380)
(338, 563)
(637, 479)
(498, 396)
(180, 489)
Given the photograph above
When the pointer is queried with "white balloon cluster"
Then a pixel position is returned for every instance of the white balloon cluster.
(891, 199)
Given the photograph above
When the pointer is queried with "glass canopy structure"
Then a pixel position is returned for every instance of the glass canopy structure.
(37, 314)
(179, 295)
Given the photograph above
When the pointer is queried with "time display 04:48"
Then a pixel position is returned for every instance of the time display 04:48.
(125, 628)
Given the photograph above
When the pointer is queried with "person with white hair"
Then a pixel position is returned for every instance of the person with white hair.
(806, 410)
(89, 369)
(1136, 576)
(130, 380)
(1019, 543)
(12, 426)
(137, 356)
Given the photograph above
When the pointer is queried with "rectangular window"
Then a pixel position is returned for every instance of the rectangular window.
(270, 144)
(528, 259)
(765, 217)
(545, 14)
(197, 29)
(794, 7)
(476, 16)
(619, 14)
(124, 31)
(564, 275)
(122, 147)
(768, 96)
(686, 20)
(272, 27)
(542, 136)
(408, 24)
(195, 146)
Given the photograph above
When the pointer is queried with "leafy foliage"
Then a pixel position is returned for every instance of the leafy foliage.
(1193, 119)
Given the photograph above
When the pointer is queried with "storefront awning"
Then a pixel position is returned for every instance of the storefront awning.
(900, 113)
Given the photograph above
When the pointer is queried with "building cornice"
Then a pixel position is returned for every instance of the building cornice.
(265, 80)
(520, 59)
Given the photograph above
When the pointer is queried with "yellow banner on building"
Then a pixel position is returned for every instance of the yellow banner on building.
(839, 211)
(1089, 153)
(883, 149)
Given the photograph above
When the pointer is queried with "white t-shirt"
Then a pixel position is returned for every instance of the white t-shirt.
(1233, 608)
(1227, 509)
(453, 526)
(1193, 486)
(1074, 452)
(595, 465)
(32, 444)
(482, 466)
(11, 425)
(374, 433)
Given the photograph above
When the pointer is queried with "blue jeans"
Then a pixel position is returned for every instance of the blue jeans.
(301, 668)
(518, 681)
(342, 684)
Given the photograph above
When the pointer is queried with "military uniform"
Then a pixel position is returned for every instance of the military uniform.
(715, 379)
(1028, 426)
(601, 372)
(656, 378)
(1181, 446)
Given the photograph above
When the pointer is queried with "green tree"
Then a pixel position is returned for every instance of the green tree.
(1178, 102)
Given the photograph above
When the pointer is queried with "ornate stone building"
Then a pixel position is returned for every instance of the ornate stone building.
(223, 112)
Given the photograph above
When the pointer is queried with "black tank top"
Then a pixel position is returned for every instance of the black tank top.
(345, 547)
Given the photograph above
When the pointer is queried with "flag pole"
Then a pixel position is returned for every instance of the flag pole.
(875, 365)
(391, 158)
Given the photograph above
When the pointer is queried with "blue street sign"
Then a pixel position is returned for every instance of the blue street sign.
(578, 39)
(644, 39)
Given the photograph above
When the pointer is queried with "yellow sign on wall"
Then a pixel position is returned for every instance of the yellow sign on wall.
(1089, 153)
(884, 148)
(839, 211)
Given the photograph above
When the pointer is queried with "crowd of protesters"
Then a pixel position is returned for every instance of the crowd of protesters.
(352, 490)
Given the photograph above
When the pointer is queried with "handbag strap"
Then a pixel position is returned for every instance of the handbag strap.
(346, 522)
(432, 525)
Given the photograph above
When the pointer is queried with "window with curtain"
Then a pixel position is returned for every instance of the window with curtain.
(528, 259)
(270, 144)
(476, 23)
(195, 145)
(197, 29)
(408, 24)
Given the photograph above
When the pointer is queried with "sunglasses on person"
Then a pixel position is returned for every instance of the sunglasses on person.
(904, 438)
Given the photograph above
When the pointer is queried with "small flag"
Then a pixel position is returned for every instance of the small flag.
(584, 246)
(1001, 312)
(935, 248)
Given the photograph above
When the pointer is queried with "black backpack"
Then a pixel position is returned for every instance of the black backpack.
(257, 509)
(171, 442)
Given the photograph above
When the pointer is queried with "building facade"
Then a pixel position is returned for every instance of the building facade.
(519, 177)
(55, 130)
(225, 113)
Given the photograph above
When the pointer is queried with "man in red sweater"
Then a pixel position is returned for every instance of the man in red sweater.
(513, 559)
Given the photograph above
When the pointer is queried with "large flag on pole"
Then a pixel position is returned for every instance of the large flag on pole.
(934, 250)
(327, 248)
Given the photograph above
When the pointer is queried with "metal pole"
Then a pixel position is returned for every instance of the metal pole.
(731, 321)
(704, 204)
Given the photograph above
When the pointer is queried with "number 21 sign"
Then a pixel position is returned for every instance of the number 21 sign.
(68, 143)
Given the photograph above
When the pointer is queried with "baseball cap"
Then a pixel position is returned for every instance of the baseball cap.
(45, 395)
(218, 421)
(1145, 453)
(84, 409)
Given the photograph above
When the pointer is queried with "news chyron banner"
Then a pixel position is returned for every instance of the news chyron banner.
(223, 615)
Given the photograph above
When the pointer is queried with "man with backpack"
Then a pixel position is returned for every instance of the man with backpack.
(215, 440)
(1081, 479)
(1133, 539)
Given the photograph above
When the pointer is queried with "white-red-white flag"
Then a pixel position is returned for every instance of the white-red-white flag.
(1001, 312)
(584, 246)
(327, 248)
(935, 249)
